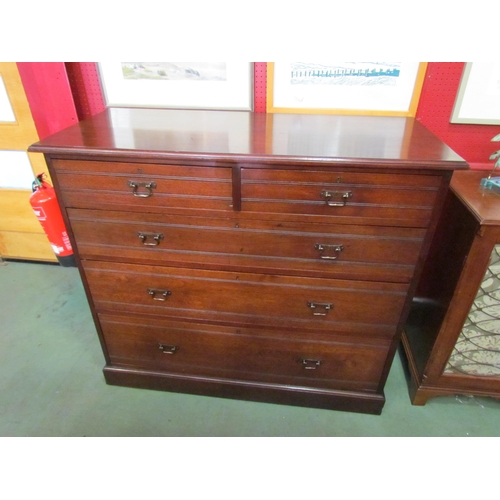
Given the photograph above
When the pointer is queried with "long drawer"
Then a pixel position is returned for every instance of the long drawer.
(143, 187)
(342, 307)
(241, 354)
(406, 200)
(336, 251)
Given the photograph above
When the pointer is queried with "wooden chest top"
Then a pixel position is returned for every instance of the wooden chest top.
(241, 136)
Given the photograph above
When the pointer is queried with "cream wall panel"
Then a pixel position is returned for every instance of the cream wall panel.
(6, 111)
(15, 170)
(18, 135)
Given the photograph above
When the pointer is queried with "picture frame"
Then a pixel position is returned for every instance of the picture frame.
(478, 96)
(396, 94)
(205, 85)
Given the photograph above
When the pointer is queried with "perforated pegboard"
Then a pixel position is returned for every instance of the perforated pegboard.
(86, 87)
(260, 87)
(472, 142)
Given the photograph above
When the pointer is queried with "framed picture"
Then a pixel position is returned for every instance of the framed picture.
(193, 85)
(359, 88)
(478, 96)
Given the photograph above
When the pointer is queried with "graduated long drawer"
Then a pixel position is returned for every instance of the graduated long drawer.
(203, 350)
(340, 251)
(338, 306)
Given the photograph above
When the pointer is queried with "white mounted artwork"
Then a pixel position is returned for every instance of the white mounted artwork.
(478, 96)
(202, 85)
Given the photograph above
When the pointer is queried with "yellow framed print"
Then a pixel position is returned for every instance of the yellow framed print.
(351, 88)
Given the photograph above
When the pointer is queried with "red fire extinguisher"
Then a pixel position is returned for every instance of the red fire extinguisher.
(44, 203)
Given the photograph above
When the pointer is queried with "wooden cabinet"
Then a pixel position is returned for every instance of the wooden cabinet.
(451, 338)
(262, 257)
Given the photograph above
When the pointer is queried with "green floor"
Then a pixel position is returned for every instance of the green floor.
(51, 383)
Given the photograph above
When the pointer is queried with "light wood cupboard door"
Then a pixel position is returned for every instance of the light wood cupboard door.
(21, 235)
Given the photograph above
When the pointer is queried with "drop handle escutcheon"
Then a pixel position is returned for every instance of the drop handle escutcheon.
(331, 251)
(149, 186)
(168, 349)
(336, 198)
(310, 364)
(154, 237)
(324, 306)
(157, 294)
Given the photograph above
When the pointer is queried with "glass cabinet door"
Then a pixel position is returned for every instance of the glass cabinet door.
(477, 350)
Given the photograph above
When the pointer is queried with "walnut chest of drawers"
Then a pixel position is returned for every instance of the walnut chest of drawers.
(262, 257)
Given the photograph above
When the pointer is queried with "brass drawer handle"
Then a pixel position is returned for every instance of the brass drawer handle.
(136, 185)
(163, 294)
(325, 305)
(168, 349)
(157, 237)
(329, 248)
(310, 364)
(331, 196)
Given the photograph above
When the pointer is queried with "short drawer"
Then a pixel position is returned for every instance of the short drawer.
(323, 250)
(201, 350)
(342, 307)
(142, 186)
(365, 198)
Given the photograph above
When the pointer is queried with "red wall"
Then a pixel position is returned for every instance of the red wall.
(49, 96)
